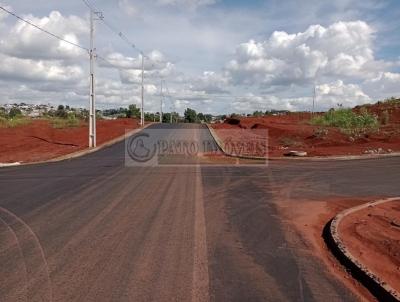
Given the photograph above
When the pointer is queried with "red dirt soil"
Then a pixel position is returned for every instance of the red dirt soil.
(308, 218)
(372, 235)
(39, 141)
(294, 132)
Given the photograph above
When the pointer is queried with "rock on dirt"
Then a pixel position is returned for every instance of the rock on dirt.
(296, 153)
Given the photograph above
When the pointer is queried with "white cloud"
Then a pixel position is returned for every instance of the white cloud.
(385, 84)
(12, 68)
(343, 49)
(210, 83)
(329, 95)
(27, 42)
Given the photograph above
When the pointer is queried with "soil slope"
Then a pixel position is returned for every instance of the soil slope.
(40, 141)
(294, 132)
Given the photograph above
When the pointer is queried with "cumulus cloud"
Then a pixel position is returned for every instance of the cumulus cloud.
(26, 42)
(331, 94)
(344, 49)
(130, 68)
(210, 83)
(328, 96)
(385, 84)
(12, 68)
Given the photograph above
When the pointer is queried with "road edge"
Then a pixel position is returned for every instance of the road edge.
(315, 158)
(78, 153)
(379, 288)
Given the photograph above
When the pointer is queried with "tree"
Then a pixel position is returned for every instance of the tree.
(149, 117)
(166, 118)
(258, 113)
(14, 112)
(3, 112)
(190, 116)
(208, 118)
(133, 112)
(200, 117)
(61, 112)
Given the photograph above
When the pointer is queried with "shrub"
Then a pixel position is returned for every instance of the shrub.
(70, 122)
(347, 120)
(14, 122)
(392, 101)
(14, 112)
(232, 121)
(384, 117)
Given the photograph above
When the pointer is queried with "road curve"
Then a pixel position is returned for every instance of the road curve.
(92, 229)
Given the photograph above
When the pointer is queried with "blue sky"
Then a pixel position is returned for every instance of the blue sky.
(214, 56)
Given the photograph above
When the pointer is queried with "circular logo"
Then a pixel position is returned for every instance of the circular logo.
(138, 150)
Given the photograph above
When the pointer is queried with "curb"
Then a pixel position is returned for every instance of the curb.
(379, 288)
(315, 158)
(78, 153)
(222, 148)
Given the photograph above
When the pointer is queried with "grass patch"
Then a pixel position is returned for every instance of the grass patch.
(392, 101)
(14, 122)
(70, 122)
(348, 121)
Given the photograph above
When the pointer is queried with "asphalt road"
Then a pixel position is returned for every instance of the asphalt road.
(94, 229)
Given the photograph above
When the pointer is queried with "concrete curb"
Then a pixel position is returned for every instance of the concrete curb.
(314, 158)
(78, 153)
(221, 146)
(379, 288)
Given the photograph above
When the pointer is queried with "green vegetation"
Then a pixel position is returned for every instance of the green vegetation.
(190, 116)
(70, 121)
(14, 113)
(348, 121)
(12, 119)
(13, 122)
(392, 101)
(384, 117)
(133, 112)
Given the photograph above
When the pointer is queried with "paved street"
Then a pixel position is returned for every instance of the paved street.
(92, 229)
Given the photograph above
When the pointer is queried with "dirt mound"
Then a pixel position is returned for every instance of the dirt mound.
(294, 131)
(383, 110)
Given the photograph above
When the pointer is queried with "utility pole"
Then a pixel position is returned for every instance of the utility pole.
(92, 100)
(142, 109)
(314, 97)
(161, 95)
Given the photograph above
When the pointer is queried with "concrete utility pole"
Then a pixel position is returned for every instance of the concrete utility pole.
(92, 97)
(92, 100)
(161, 95)
(313, 103)
(142, 109)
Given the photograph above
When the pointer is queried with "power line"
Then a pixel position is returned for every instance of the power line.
(116, 31)
(120, 34)
(44, 30)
